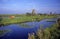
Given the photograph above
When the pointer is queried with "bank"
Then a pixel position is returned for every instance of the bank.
(52, 32)
(25, 18)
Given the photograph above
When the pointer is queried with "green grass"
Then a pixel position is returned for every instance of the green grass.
(24, 18)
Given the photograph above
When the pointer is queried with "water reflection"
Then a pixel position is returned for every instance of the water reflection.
(20, 31)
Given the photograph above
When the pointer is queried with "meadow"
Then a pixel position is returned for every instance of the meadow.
(24, 18)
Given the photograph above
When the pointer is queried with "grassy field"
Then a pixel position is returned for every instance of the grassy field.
(25, 18)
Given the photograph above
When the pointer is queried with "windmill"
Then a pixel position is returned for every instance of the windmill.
(33, 12)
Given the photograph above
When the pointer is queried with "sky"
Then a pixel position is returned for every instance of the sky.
(24, 6)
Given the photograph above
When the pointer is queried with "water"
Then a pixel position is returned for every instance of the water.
(18, 31)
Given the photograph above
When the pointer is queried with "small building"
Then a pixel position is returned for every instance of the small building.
(12, 17)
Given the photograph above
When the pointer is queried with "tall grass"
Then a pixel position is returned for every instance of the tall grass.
(49, 33)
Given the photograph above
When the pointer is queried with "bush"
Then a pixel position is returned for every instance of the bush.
(28, 14)
(58, 21)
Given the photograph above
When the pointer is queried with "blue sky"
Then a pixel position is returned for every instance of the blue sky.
(23, 6)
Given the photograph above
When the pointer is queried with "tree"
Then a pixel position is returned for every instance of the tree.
(1, 20)
(28, 14)
(58, 21)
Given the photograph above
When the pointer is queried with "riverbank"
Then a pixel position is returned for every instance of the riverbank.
(52, 32)
(25, 18)
(19, 31)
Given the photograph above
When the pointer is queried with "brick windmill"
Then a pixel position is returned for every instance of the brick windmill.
(33, 12)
